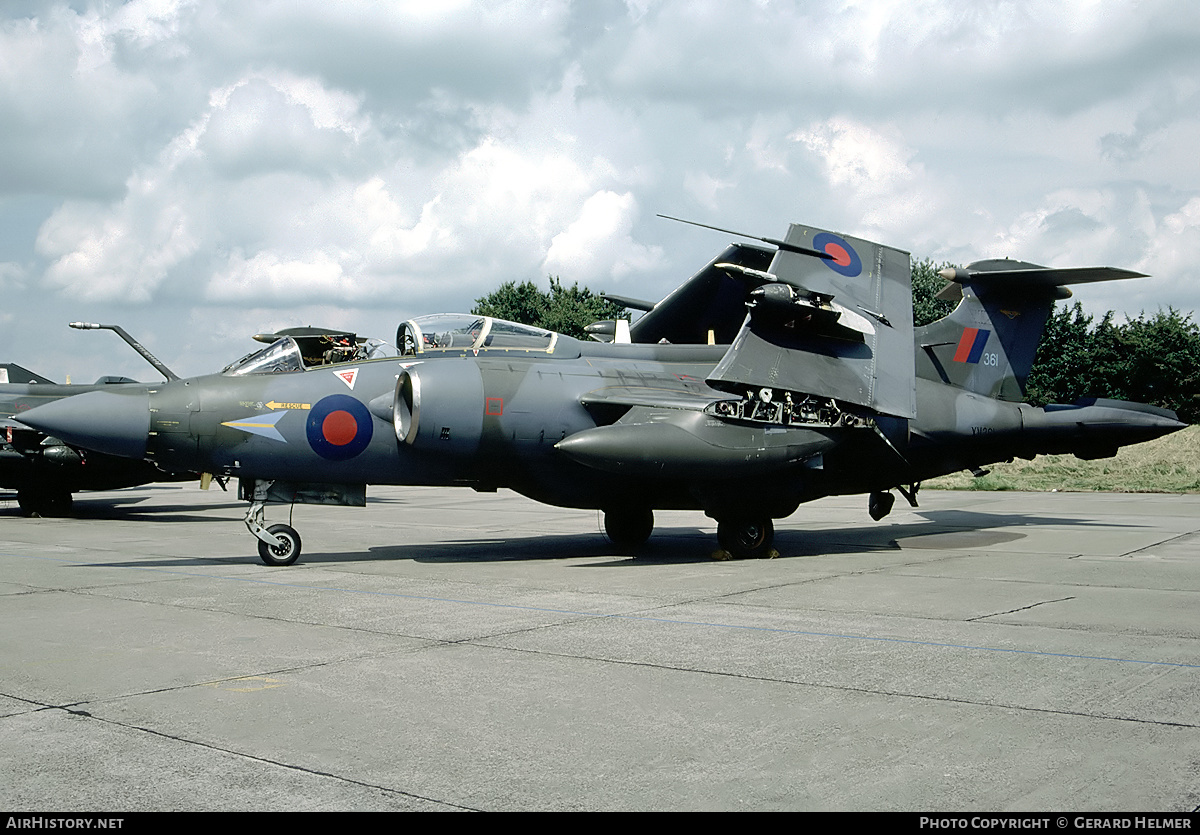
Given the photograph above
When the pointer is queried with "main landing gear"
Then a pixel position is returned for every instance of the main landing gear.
(747, 539)
(627, 528)
(45, 501)
(741, 537)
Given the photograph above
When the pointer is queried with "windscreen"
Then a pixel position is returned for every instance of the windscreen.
(280, 357)
(464, 331)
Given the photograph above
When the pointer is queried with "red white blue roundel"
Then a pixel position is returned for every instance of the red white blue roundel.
(845, 259)
(339, 427)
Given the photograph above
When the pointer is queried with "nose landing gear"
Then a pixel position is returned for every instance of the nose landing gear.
(278, 544)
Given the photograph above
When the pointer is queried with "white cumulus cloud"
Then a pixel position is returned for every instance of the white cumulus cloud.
(599, 244)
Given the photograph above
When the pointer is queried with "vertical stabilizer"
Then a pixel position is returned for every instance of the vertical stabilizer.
(988, 344)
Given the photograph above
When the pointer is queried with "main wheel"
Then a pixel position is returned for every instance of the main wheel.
(284, 554)
(60, 503)
(46, 502)
(628, 528)
(746, 539)
(27, 500)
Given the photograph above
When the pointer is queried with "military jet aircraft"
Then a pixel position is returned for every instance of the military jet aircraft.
(43, 469)
(825, 389)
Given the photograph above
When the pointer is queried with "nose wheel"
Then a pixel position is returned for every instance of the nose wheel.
(286, 552)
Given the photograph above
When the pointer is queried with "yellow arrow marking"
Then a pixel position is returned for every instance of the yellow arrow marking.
(274, 405)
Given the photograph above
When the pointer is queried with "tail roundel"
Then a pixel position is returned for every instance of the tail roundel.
(988, 343)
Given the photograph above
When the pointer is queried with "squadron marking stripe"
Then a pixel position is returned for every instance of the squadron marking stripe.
(970, 345)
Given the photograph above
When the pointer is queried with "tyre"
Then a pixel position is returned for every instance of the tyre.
(286, 553)
(628, 528)
(45, 502)
(746, 539)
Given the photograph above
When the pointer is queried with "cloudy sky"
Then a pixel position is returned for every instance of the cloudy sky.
(200, 170)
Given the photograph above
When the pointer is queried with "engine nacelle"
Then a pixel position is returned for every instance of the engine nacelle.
(439, 406)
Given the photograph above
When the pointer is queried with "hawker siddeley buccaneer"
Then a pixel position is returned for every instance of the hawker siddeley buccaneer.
(43, 469)
(825, 389)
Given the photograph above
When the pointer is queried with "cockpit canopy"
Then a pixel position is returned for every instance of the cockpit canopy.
(296, 353)
(296, 350)
(468, 332)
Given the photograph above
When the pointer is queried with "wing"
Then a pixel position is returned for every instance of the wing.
(838, 328)
(830, 325)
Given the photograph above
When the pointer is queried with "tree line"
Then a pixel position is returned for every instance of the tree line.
(566, 310)
(1153, 358)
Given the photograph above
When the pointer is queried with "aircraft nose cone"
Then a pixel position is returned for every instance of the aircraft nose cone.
(102, 421)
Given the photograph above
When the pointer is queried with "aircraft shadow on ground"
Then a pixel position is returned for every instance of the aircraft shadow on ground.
(939, 530)
(667, 546)
(133, 509)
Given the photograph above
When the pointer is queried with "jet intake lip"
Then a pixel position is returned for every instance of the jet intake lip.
(102, 421)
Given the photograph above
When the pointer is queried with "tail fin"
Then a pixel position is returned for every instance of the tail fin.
(987, 345)
(13, 373)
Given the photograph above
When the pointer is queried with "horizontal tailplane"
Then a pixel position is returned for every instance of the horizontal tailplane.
(988, 343)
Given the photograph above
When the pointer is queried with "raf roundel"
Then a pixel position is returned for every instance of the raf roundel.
(845, 259)
(339, 427)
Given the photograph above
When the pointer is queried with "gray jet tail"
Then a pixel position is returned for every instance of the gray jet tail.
(988, 343)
